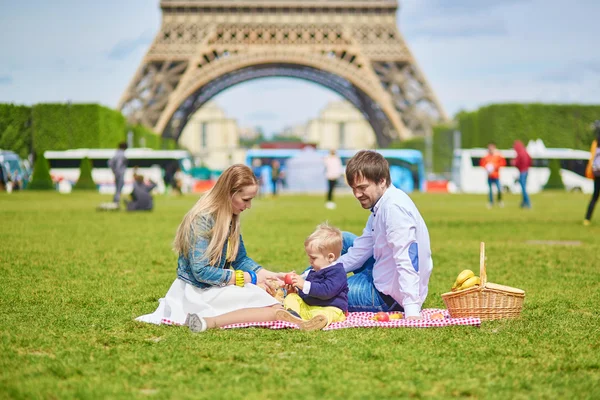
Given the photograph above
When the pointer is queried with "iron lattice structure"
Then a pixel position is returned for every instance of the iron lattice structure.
(352, 47)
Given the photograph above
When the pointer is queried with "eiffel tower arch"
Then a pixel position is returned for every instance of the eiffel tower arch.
(352, 47)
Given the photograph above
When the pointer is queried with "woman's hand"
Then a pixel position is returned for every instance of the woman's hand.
(264, 275)
(270, 281)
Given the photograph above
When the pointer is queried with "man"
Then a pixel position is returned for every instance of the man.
(391, 260)
(118, 165)
(492, 163)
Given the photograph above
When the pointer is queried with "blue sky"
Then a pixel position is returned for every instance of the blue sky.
(473, 52)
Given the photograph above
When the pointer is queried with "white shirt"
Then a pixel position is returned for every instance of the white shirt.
(395, 235)
(333, 167)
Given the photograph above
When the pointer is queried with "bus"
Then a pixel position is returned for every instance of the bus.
(64, 167)
(469, 177)
(407, 169)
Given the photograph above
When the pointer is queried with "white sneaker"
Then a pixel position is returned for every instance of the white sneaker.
(501, 204)
(330, 205)
(489, 206)
(196, 323)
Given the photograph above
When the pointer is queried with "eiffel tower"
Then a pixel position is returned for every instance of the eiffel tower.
(352, 47)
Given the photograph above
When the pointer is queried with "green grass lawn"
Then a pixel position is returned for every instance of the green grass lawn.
(72, 280)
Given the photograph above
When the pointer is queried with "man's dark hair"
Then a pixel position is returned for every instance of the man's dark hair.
(123, 146)
(369, 165)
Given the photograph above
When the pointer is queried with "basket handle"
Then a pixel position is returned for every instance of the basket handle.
(482, 272)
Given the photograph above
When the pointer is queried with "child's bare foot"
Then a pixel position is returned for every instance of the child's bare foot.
(316, 323)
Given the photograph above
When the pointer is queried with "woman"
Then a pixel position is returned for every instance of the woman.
(207, 294)
(333, 171)
(522, 161)
(275, 175)
(593, 172)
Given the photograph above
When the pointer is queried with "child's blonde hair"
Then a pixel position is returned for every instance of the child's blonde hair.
(325, 239)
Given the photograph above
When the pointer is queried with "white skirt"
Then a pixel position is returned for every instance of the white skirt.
(183, 299)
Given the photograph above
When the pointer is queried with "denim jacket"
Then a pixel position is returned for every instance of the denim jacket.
(194, 267)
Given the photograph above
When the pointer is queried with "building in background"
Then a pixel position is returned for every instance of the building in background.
(293, 131)
(340, 126)
(212, 138)
(250, 133)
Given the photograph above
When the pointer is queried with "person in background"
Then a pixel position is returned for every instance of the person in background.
(257, 171)
(118, 165)
(492, 163)
(333, 171)
(3, 178)
(522, 161)
(275, 175)
(169, 177)
(593, 172)
(141, 197)
(178, 178)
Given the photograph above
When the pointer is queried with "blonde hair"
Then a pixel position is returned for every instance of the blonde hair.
(325, 239)
(216, 203)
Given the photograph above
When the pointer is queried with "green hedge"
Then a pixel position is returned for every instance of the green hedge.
(442, 147)
(15, 129)
(554, 180)
(145, 137)
(41, 179)
(567, 126)
(85, 181)
(64, 126)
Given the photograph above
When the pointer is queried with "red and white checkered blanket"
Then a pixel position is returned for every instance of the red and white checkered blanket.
(365, 320)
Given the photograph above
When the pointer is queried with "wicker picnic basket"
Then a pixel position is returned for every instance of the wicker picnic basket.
(487, 301)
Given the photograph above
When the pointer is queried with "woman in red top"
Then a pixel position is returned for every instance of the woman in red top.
(522, 161)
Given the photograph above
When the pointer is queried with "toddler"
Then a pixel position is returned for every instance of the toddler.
(323, 288)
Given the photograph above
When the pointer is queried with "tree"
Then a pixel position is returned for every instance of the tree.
(41, 179)
(85, 181)
(555, 180)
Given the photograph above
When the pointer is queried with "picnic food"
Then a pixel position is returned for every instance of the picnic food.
(395, 316)
(273, 289)
(465, 280)
(483, 299)
(472, 281)
(381, 316)
(288, 279)
(436, 316)
(461, 278)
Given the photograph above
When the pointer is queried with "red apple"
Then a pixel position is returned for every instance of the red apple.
(288, 279)
(381, 316)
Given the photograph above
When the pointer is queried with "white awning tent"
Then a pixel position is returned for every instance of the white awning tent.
(305, 172)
